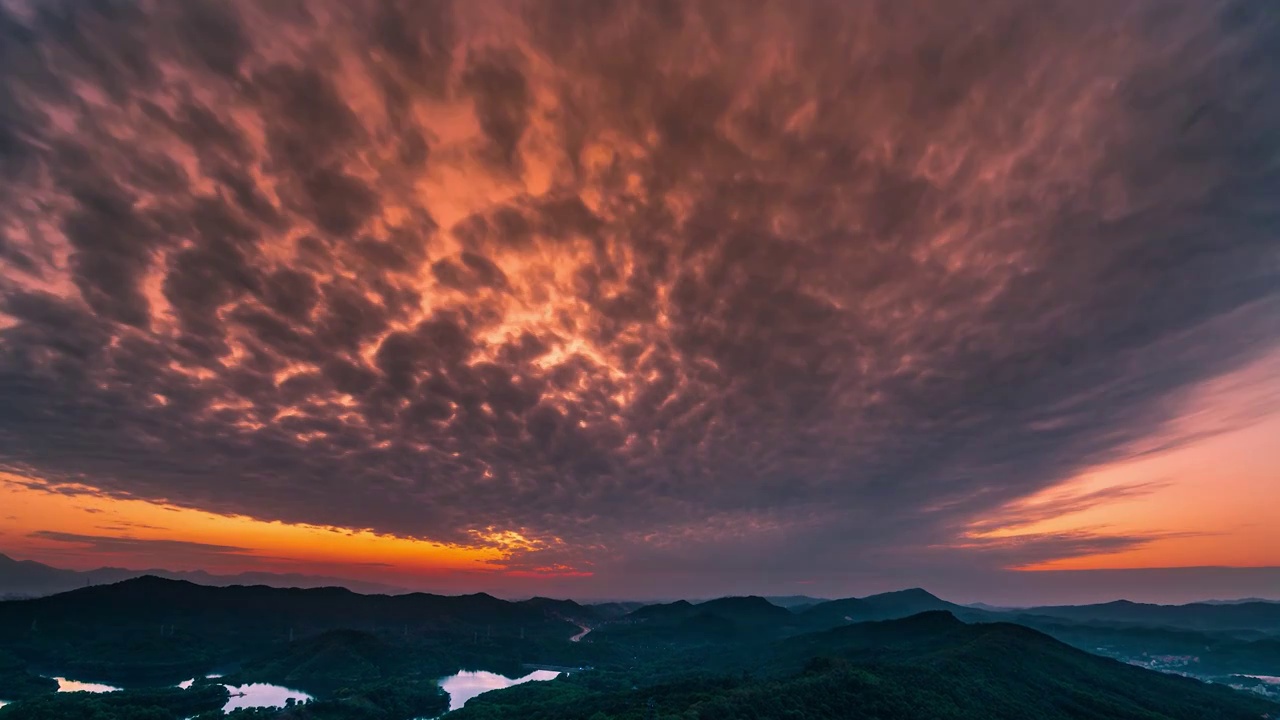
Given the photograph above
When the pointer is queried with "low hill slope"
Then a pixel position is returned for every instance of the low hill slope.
(927, 666)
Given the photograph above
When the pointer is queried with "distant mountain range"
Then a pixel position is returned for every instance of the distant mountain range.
(1206, 640)
(27, 578)
(792, 602)
(1255, 616)
(885, 606)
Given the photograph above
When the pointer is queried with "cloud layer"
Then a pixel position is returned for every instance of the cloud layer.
(657, 286)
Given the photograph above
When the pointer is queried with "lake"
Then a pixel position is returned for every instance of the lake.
(188, 683)
(242, 696)
(463, 686)
(65, 685)
(261, 695)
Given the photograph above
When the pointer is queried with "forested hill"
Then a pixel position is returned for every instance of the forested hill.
(885, 606)
(155, 631)
(927, 666)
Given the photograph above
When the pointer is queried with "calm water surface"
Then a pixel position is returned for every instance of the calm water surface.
(65, 685)
(469, 683)
(261, 695)
(188, 683)
(242, 696)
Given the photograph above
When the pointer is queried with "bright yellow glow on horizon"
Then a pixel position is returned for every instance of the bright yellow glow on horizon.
(31, 515)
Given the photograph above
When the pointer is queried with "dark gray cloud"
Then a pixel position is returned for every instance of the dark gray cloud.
(716, 288)
(117, 544)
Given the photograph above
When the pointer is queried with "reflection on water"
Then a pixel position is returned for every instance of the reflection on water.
(188, 683)
(242, 696)
(467, 684)
(261, 695)
(3, 703)
(65, 685)
(461, 687)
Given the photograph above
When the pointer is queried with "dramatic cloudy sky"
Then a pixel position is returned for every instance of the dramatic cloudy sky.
(635, 298)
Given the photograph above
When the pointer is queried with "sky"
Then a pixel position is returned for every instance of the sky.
(650, 298)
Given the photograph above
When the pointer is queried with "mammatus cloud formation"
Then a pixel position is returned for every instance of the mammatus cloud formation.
(649, 286)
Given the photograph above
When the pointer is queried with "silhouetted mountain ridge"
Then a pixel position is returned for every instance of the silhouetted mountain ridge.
(884, 606)
(1196, 616)
(750, 607)
(663, 611)
(28, 578)
(153, 599)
